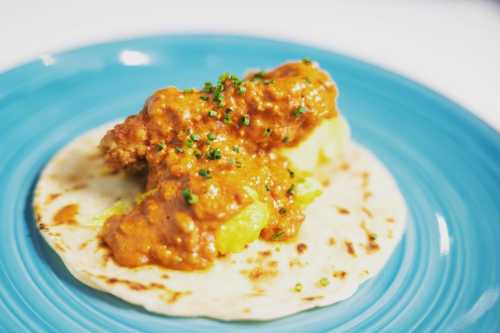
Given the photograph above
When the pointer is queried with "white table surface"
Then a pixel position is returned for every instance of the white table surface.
(451, 46)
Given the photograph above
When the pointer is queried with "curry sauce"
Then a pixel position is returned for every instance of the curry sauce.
(202, 150)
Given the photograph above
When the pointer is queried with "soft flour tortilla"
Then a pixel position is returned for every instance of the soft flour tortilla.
(259, 283)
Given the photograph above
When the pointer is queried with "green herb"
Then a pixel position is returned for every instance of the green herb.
(234, 162)
(324, 282)
(259, 75)
(278, 235)
(212, 114)
(189, 143)
(205, 173)
(197, 153)
(160, 146)
(299, 111)
(224, 76)
(307, 61)
(291, 173)
(298, 287)
(236, 149)
(195, 137)
(267, 132)
(245, 120)
(227, 116)
(214, 154)
(286, 139)
(211, 137)
(267, 187)
(291, 190)
(204, 98)
(179, 149)
(189, 197)
(241, 90)
(208, 87)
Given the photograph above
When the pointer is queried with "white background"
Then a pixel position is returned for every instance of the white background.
(451, 46)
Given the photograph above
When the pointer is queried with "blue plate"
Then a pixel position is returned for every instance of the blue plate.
(444, 276)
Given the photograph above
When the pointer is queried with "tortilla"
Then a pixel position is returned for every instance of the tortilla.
(348, 235)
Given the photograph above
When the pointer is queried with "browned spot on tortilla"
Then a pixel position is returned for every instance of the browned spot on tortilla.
(246, 310)
(365, 179)
(340, 274)
(272, 264)
(54, 234)
(131, 284)
(84, 244)
(257, 292)
(264, 254)
(367, 212)
(51, 197)
(332, 241)
(165, 276)
(37, 212)
(312, 298)
(259, 273)
(371, 244)
(77, 187)
(301, 248)
(344, 166)
(42, 227)
(325, 182)
(390, 220)
(296, 262)
(350, 248)
(59, 247)
(174, 296)
(342, 210)
(367, 195)
(66, 214)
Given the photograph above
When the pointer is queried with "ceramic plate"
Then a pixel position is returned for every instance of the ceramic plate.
(444, 276)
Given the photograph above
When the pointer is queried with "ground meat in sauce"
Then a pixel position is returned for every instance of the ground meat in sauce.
(201, 149)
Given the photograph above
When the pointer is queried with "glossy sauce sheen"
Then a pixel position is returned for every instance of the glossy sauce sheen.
(201, 149)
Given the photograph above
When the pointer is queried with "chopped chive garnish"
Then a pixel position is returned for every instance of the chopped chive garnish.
(299, 111)
(236, 149)
(291, 190)
(214, 154)
(207, 87)
(189, 197)
(241, 90)
(189, 143)
(195, 137)
(267, 132)
(197, 153)
(286, 139)
(259, 75)
(245, 121)
(160, 146)
(278, 235)
(179, 149)
(227, 116)
(267, 187)
(212, 113)
(205, 173)
(211, 137)
(291, 173)
(204, 98)
(307, 61)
